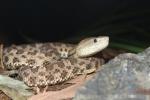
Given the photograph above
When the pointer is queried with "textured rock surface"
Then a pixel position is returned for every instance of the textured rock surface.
(15, 89)
(126, 77)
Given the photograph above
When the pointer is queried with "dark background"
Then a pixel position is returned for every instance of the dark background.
(22, 21)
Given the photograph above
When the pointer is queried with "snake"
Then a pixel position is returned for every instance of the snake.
(43, 64)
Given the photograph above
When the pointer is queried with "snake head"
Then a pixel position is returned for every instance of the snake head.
(91, 46)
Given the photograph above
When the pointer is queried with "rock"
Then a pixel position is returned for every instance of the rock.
(15, 89)
(126, 77)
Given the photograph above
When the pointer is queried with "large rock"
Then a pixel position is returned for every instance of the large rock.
(126, 77)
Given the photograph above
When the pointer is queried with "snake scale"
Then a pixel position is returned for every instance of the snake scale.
(43, 64)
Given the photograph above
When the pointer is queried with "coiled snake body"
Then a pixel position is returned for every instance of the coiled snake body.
(43, 64)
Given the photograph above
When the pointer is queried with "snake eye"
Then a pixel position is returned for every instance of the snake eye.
(95, 40)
